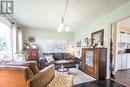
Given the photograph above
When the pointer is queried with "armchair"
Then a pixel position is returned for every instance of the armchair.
(23, 76)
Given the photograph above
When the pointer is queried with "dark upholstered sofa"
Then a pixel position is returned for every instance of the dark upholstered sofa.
(58, 57)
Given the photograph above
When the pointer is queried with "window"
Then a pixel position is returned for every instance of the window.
(5, 44)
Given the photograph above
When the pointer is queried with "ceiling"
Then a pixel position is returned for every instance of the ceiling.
(125, 23)
(46, 14)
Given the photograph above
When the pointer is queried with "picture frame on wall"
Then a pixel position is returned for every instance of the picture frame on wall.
(78, 44)
(97, 38)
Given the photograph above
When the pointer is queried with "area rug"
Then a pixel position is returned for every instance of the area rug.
(80, 77)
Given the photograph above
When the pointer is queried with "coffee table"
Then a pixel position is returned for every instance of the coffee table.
(62, 69)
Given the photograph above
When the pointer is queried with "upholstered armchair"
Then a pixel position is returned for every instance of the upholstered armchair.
(24, 76)
(19, 76)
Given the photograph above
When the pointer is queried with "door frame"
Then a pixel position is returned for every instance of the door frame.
(112, 60)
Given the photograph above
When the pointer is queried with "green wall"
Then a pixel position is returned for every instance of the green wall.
(104, 23)
(43, 35)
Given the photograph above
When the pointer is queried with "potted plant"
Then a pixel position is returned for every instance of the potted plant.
(20, 56)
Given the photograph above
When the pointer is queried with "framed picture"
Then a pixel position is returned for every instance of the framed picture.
(31, 39)
(97, 38)
(78, 43)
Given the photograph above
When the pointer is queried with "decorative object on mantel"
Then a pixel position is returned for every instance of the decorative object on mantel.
(26, 45)
(87, 42)
(34, 46)
(30, 43)
(97, 38)
(32, 49)
(32, 54)
(63, 25)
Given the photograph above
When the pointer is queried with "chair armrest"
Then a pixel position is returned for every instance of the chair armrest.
(43, 78)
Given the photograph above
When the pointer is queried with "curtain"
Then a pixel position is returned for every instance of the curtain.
(5, 39)
(16, 39)
(10, 39)
(20, 40)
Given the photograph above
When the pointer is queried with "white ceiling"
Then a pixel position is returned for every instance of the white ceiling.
(46, 14)
(125, 23)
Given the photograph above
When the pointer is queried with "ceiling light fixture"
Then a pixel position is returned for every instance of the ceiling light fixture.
(62, 25)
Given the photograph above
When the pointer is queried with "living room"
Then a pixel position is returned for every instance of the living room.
(68, 42)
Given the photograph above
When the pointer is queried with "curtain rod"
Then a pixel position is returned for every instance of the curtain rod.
(10, 20)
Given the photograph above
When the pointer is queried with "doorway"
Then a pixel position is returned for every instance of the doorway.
(120, 51)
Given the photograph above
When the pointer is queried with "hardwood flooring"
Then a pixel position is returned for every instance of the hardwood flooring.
(101, 83)
(123, 76)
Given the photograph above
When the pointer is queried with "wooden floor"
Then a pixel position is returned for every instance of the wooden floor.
(123, 76)
(101, 83)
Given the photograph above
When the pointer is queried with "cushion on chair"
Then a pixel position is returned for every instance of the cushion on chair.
(61, 81)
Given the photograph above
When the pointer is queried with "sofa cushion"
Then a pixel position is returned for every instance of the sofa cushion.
(66, 56)
(58, 56)
(49, 58)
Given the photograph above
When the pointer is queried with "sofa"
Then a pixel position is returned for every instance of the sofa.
(72, 60)
(26, 75)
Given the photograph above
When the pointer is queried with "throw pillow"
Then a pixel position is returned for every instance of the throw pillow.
(49, 58)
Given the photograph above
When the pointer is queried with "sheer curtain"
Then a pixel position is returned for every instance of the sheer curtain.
(5, 39)
(10, 39)
(16, 39)
(20, 40)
